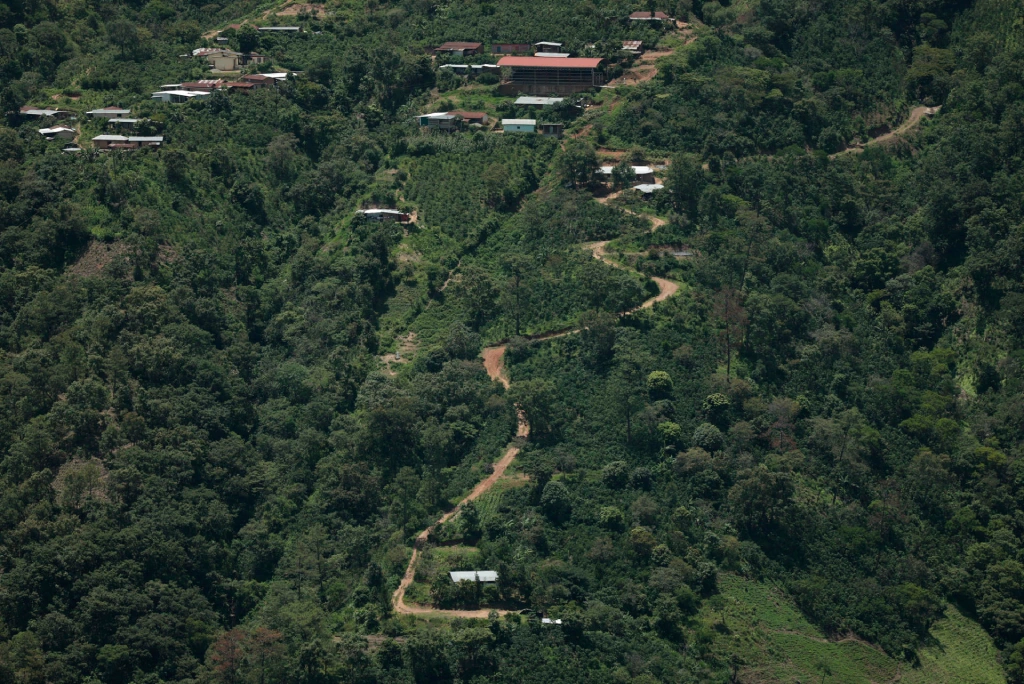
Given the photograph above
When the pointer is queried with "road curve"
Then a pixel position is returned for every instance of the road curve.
(494, 364)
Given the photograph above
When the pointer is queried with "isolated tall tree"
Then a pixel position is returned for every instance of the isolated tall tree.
(515, 294)
(576, 163)
(732, 319)
(122, 33)
(685, 182)
(248, 38)
(623, 175)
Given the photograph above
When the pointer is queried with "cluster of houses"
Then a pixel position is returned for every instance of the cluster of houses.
(457, 119)
(549, 70)
(116, 116)
(177, 93)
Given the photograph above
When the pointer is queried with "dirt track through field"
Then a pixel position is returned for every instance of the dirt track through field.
(916, 114)
(494, 364)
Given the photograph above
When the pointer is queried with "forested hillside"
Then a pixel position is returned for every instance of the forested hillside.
(763, 423)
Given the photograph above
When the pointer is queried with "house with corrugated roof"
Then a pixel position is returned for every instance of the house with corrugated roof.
(384, 215)
(64, 132)
(109, 113)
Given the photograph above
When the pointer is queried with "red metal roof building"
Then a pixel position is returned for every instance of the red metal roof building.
(550, 75)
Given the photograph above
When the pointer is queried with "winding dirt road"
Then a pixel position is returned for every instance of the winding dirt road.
(916, 114)
(494, 364)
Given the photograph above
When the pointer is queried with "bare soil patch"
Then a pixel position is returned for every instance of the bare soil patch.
(97, 257)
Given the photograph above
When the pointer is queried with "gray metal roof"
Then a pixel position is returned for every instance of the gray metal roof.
(543, 101)
(473, 576)
(518, 122)
(648, 187)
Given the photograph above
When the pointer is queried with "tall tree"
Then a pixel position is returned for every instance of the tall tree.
(732, 322)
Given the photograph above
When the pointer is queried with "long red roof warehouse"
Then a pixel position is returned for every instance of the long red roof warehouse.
(552, 62)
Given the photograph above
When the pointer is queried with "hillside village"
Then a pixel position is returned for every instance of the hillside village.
(543, 79)
(424, 342)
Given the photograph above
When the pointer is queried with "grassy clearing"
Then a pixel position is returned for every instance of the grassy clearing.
(759, 624)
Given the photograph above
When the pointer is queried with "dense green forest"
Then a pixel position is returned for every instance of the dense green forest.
(229, 403)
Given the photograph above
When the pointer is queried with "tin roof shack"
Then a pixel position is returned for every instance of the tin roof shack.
(280, 29)
(633, 47)
(442, 121)
(648, 188)
(552, 54)
(519, 125)
(260, 80)
(480, 576)
(103, 142)
(206, 85)
(455, 47)
(510, 48)
(545, 46)
(552, 130)
(240, 86)
(120, 142)
(146, 140)
(37, 113)
(550, 75)
(179, 96)
(470, 117)
(108, 113)
(58, 132)
(532, 101)
(118, 122)
(384, 215)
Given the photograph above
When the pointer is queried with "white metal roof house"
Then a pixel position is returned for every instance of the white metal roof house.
(109, 113)
(483, 576)
(547, 46)
(146, 140)
(532, 101)
(384, 215)
(178, 96)
(36, 112)
(648, 188)
(551, 54)
(519, 125)
(103, 142)
(58, 132)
